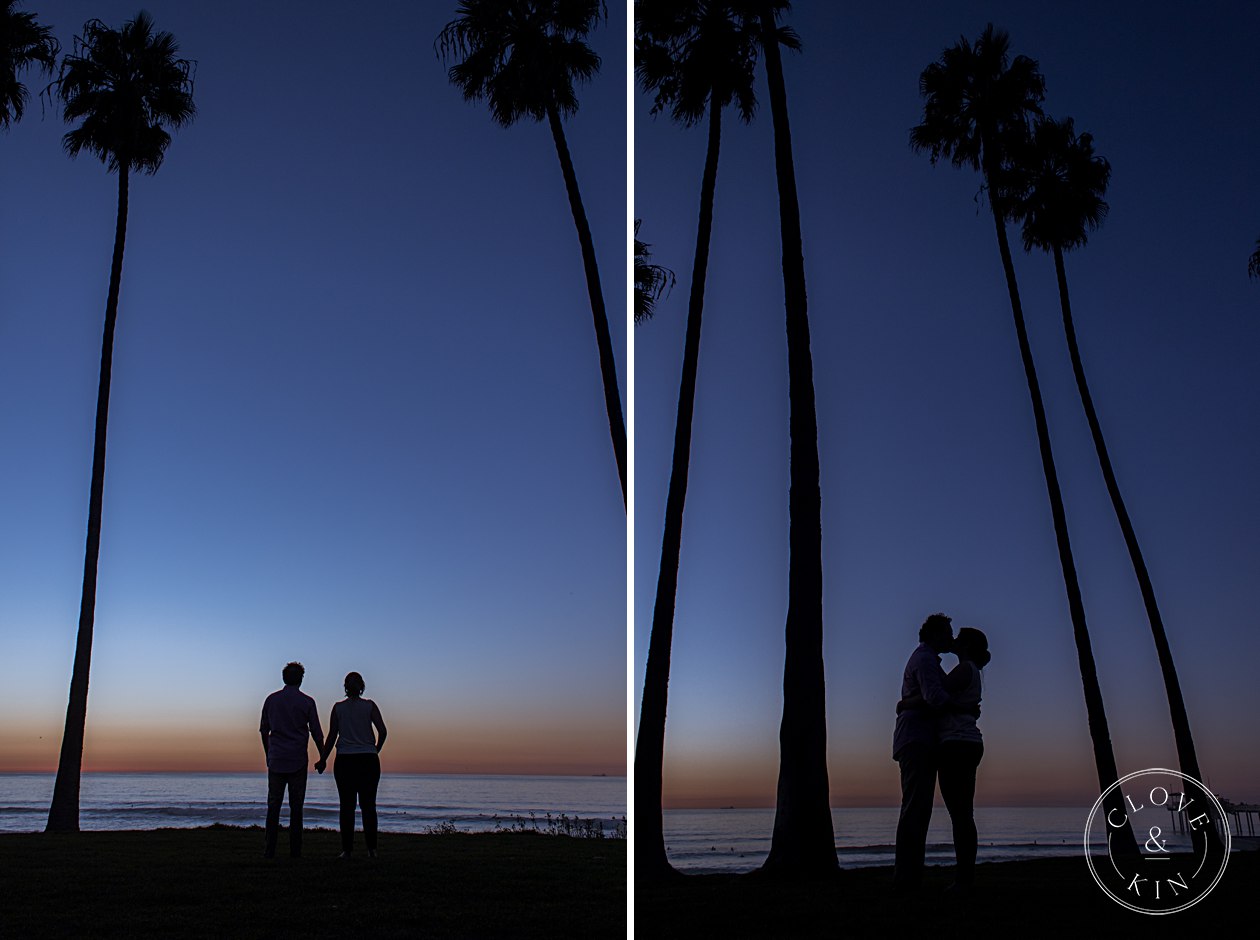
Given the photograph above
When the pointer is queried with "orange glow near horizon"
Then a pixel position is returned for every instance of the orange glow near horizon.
(1019, 777)
(156, 749)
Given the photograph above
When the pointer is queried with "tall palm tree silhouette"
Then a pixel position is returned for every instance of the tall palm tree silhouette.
(23, 44)
(977, 104)
(522, 57)
(1058, 185)
(125, 87)
(803, 840)
(650, 280)
(698, 58)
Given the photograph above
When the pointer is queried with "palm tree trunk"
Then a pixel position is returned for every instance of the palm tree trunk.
(650, 860)
(603, 339)
(1186, 755)
(63, 815)
(803, 841)
(1104, 756)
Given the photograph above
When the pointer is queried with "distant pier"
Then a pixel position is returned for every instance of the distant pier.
(1244, 816)
(1242, 812)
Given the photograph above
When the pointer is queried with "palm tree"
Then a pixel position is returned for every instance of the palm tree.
(803, 841)
(523, 57)
(1058, 187)
(125, 87)
(651, 281)
(977, 103)
(1253, 266)
(698, 57)
(23, 44)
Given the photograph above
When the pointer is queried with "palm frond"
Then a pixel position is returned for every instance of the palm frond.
(126, 87)
(1056, 186)
(24, 44)
(692, 54)
(651, 281)
(977, 102)
(522, 57)
(1253, 266)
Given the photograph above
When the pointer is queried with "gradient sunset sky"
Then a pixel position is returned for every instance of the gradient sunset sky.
(356, 418)
(933, 495)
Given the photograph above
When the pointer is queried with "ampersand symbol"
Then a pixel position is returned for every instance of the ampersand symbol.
(1154, 844)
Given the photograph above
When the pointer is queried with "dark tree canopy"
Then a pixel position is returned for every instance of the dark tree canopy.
(976, 104)
(521, 56)
(126, 86)
(1253, 267)
(692, 54)
(1057, 184)
(23, 44)
(651, 281)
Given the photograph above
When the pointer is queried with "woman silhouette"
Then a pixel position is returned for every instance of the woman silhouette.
(961, 747)
(357, 769)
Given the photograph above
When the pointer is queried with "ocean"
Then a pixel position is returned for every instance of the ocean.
(696, 840)
(405, 802)
(738, 840)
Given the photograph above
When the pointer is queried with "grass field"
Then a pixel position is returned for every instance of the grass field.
(214, 883)
(1042, 898)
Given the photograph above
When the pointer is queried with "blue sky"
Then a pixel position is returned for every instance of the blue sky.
(933, 497)
(356, 419)
(356, 415)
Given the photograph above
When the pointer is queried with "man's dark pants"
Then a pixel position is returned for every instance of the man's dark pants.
(918, 762)
(276, 782)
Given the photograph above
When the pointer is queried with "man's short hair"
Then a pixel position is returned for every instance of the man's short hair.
(293, 673)
(935, 625)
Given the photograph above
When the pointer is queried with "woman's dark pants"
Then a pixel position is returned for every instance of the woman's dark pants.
(956, 772)
(357, 777)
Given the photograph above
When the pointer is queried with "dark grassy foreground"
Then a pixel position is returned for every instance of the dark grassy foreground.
(1042, 898)
(214, 883)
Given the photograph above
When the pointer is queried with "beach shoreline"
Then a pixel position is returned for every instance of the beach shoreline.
(412, 803)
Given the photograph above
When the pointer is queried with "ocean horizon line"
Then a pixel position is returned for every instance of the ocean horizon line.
(710, 808)
(263, 770)
(405, 802)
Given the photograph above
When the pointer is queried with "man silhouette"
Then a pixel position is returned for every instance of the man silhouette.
(915, 747)
(289, 716)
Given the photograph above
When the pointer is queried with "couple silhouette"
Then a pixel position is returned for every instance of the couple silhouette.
(288, 717)
(936, 738)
